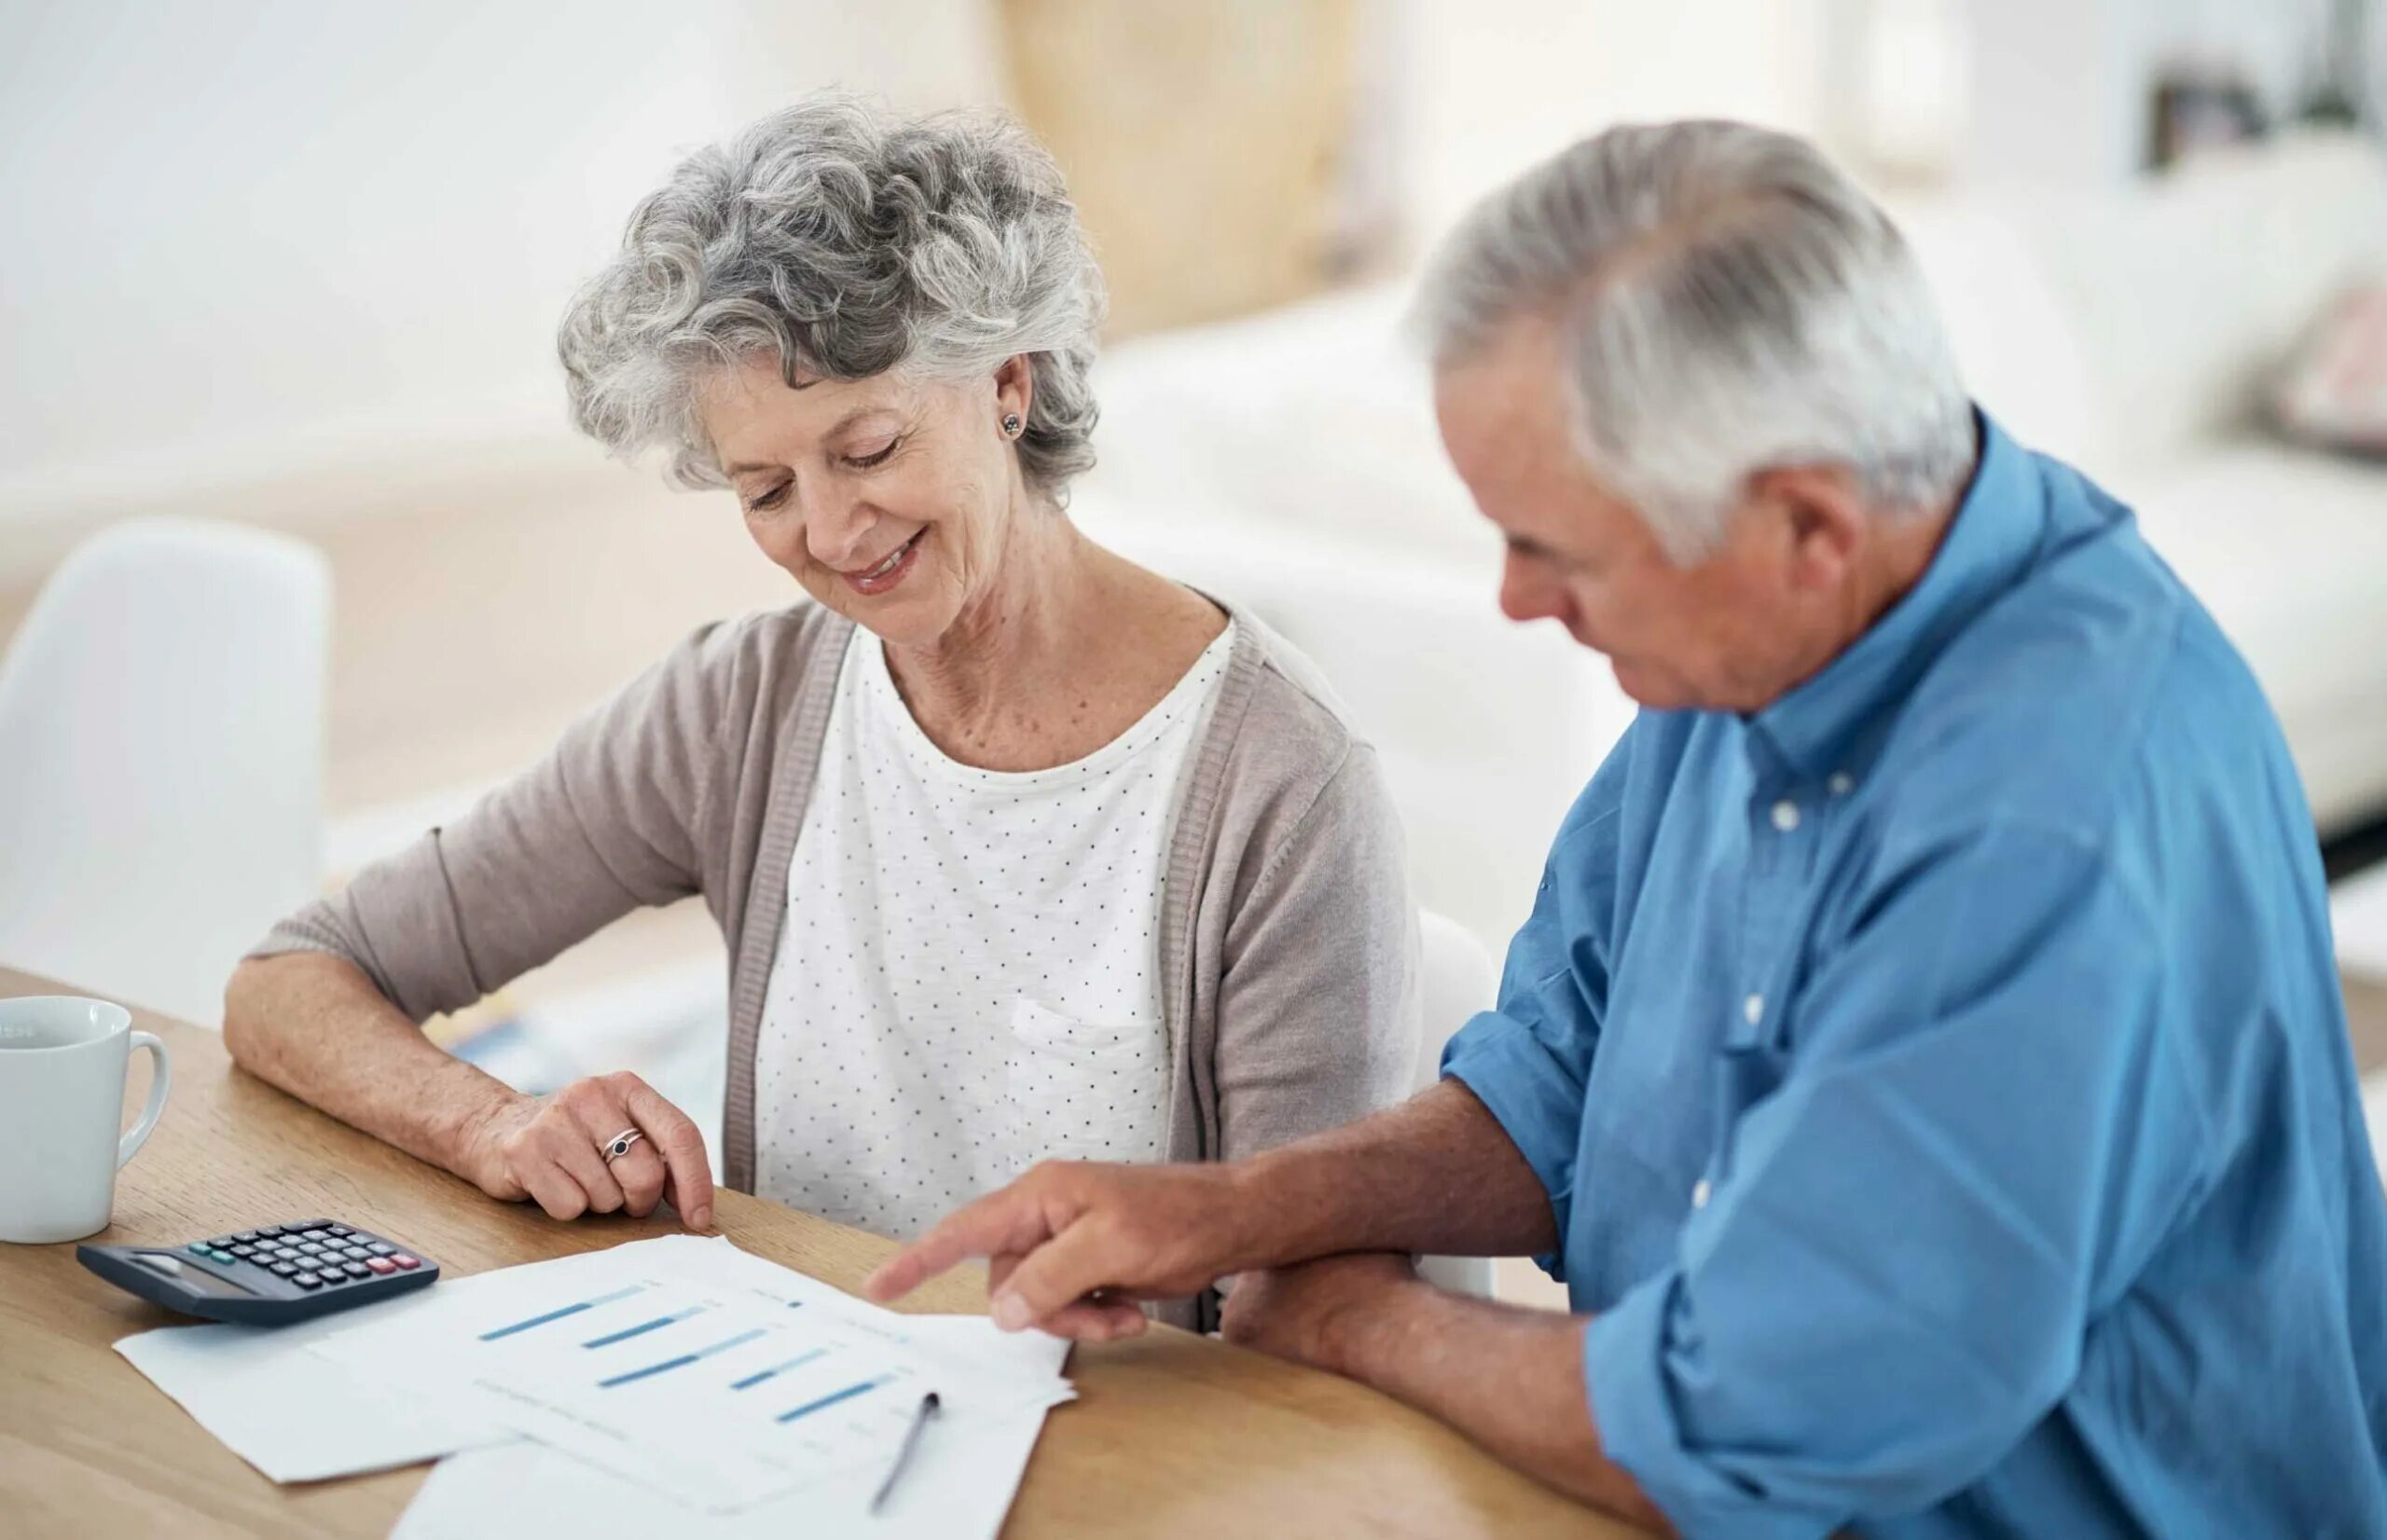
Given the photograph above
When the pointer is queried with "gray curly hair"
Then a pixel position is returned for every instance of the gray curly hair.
(843, 243)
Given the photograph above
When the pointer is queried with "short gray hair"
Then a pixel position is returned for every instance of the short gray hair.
(842, 242)
(1731, 302)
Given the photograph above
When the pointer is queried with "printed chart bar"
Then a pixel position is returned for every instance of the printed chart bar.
(760, 1375)
(831, 1399)
(683, 1361)
(559, 1314)
(644, 1327)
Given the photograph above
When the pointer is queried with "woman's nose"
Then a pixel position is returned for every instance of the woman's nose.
(836, 534)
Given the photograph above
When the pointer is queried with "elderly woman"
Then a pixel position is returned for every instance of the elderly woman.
(1021, 851)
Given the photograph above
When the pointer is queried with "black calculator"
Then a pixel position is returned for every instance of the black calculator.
(269, 1276)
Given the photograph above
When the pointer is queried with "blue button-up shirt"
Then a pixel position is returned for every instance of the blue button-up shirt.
(1941, 1081)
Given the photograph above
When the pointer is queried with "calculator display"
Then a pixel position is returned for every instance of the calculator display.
(193, 1276)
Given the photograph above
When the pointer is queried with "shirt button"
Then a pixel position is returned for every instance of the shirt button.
(1753, 1010)
(1700, 1191)
(1842, 783)
(1785, 815)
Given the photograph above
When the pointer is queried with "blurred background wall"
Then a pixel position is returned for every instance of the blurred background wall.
(248, 236)
(253, 238)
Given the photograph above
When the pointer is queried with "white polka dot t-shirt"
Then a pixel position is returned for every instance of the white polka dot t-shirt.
(968, 978)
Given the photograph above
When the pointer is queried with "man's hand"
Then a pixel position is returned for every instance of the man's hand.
(1298, 1312)
(1070, 1248)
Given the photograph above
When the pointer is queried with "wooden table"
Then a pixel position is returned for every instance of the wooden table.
(1171, 1434)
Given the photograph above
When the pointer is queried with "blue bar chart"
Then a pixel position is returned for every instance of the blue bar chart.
(762, 1375)
(514, 1327)
(626, 1333)
(833, 1397)
(725, 1383)
(683, 1361)
(728, 1396)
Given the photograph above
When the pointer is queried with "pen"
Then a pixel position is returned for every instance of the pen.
(920, 1416)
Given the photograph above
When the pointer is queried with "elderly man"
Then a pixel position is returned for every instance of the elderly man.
(1924, 1063)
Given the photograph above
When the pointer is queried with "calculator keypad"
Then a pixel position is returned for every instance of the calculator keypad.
(311, 1255)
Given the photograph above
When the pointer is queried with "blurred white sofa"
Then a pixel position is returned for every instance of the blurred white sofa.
(2136, 335)
(1291, 462)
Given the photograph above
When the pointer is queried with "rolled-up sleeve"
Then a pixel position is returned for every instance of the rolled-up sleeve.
(1980, 1123)
(1529, 1059)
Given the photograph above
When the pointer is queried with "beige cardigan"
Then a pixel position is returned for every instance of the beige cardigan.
(1289, 945)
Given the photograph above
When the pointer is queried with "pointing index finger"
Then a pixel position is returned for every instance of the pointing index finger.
(999, 1223)
(1052, 1281)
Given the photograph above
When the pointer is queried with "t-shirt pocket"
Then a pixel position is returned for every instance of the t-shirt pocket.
(1084, 1090)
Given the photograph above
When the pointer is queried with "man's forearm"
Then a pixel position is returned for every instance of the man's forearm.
(1510, 1379)
(1436, 1173)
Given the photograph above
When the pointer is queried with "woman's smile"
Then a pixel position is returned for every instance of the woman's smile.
(889, 571)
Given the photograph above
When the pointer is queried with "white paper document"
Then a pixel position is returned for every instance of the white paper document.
(686, 1367)
(678, 1371)
(712, 1377)
(296, 1417)
(959, 1485)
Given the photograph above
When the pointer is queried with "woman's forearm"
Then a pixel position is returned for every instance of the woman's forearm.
(314, 1025)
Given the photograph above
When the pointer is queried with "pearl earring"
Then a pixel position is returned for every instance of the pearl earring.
(1011, 425)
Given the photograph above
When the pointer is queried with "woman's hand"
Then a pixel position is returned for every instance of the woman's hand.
(552, 1150)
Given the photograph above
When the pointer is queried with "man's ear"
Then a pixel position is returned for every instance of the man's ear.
(1823, 512)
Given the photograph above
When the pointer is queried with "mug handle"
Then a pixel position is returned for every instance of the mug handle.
(159, 1083)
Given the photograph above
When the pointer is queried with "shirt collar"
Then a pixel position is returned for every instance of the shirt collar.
(1995, 531)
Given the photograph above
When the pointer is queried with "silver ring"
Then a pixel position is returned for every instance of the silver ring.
(619, 1145)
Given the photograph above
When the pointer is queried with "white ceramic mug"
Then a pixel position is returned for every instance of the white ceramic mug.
(61, 1095)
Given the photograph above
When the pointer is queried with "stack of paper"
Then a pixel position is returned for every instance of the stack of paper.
(296, 1417)
(680, 1376)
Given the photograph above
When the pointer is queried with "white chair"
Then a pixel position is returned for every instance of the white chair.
(1460, 981)
(161, 751)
